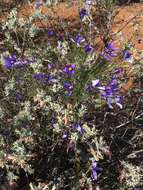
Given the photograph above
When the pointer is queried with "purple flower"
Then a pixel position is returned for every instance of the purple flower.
(127, 55)
(109, 52)
(95, 170)
(110, 89)
(110, 93)
(78, 39)
(70, 69)
(44, 77)
(88, 48)
(18, 97)
(65, 136)
(51, 79)
(9, 61)
(119, 100)
(50, 33)
(22, 62)
(38, 3)
(50, 66)
(13, 61)
(110, 45)
(82, 13)
(92, 87)
(78, 128)
(113, 85)
(69, 87)
(116, 100)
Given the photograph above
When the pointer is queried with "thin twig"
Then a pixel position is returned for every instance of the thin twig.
(126, 123)
(133, 155)
(133, 113)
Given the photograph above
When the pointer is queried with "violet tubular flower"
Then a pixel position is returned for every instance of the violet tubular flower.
(69, 69)
(127, 56)
(69, 87)
(93, 86)
(110, 93)
(88, 48)
(22, 62)
(50, 33)
(51, 79)
(65, 136)
(12, 62)
(9, 61)
(78, 128)
(113, 85)
(118, 101)
(109, 52)
(78, 39)
(82, 13)
(114, 100)
(95, 170)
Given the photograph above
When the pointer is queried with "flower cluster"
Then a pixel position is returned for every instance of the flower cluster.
(110, 93)
(12, 61)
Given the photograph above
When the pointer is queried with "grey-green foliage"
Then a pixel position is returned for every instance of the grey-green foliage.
(19, 31)
(133, 174)
(24, 114)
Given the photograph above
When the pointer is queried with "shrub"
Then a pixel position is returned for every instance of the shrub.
(60, 103)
